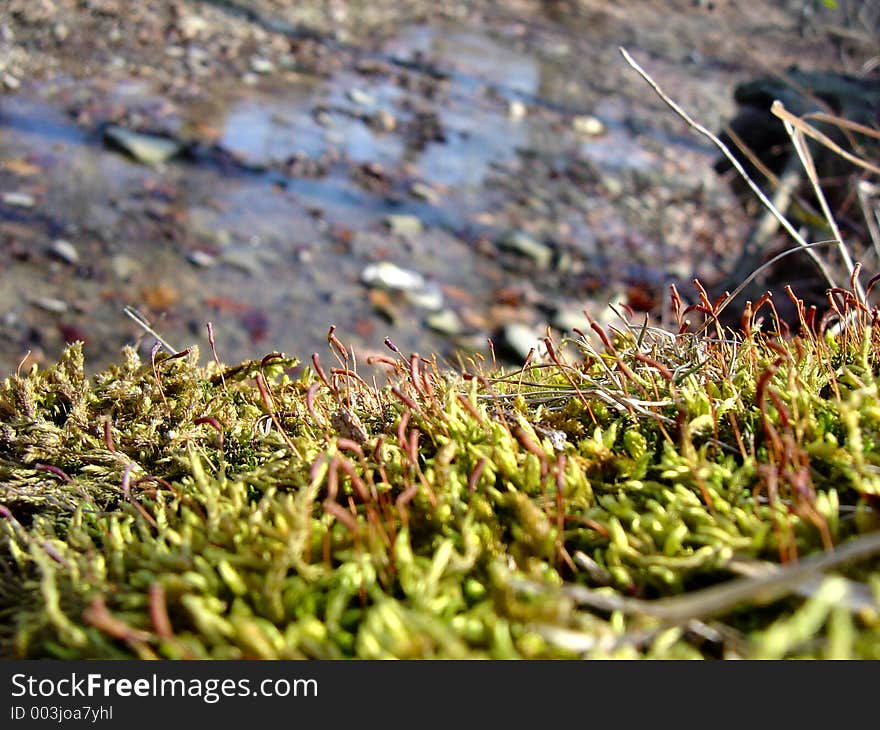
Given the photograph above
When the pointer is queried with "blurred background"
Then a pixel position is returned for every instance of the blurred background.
(443, 176)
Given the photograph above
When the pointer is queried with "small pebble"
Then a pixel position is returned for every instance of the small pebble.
(419, 291)
(425, 192)
(446, 322)
(20, 200)
(243, 260)
(150, 149)
(202, 259)
(429, 298)
(570, 317)
(516, 110)
(57, 306)
(403, 224)
(361, 98)
(383, 121)
(191, 25)
(262, 65)
(520, 339)
(65, 251)
(391, 276)
(526, 245)
(589, 126)
(124, 267)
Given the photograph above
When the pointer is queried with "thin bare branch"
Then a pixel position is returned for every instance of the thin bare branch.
(141, 321)
(763, 588)
(765, 201)
(803, 126)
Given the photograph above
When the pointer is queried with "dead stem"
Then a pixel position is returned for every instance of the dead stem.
(763, 588)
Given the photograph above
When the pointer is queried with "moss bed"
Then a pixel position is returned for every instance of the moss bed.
(657, 495)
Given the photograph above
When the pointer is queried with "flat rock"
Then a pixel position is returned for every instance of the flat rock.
(517, 110)
(526, 245)
(19, 200)
(445, 321)
(568, 318)
(391, 276)
(248, 258)
(150, 149)
(361, 98)
(201, 259)
(382, 121)
(65, 251)
(588, 126)
(191, 26)
(430, 297)
(261, 65)
(124, 266)
(425, 192)
(519, 340)
(418, 291)
(404, 224)
(51, 304)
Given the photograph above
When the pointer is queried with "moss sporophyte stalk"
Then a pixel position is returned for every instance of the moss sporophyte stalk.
(658, 495)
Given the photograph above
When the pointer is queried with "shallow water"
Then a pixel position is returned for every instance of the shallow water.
(284, 197)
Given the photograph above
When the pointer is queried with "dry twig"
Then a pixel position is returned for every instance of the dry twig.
(783, 221)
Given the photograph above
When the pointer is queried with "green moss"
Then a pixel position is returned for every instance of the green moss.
(156, 509)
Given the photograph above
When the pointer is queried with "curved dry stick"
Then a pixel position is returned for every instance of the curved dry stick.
(722, 598)
(825, 140)
(796, 130)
